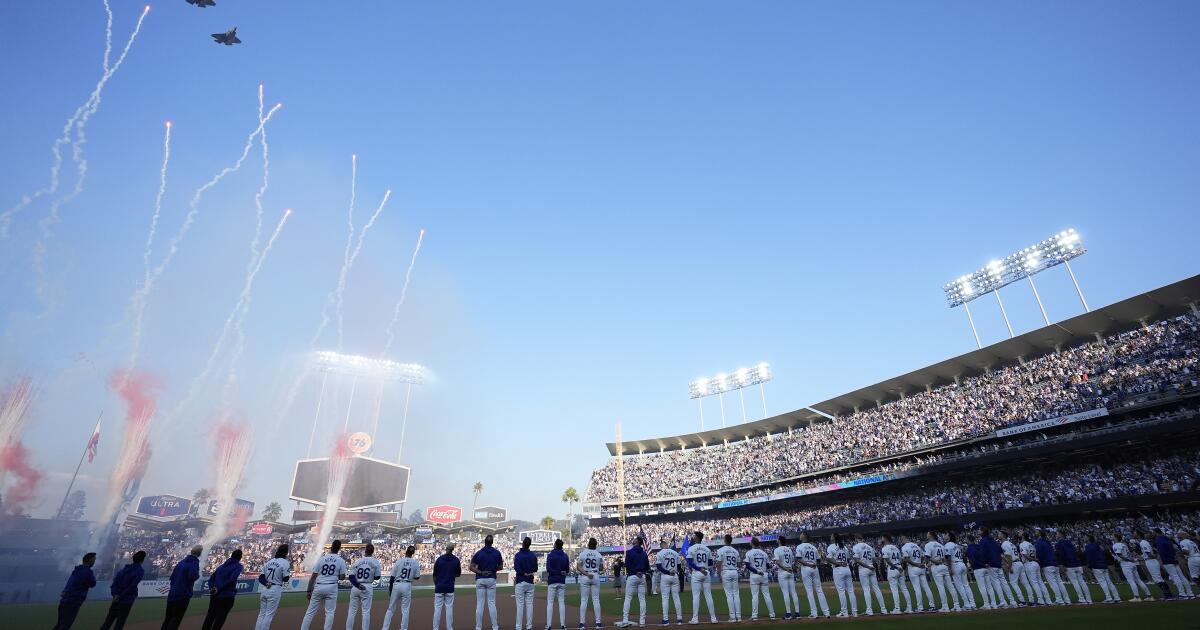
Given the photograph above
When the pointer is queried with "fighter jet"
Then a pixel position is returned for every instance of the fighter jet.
(228, 38)
(203, 3)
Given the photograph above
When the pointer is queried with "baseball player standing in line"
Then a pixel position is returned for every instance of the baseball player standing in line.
(183, 580)
(654, 574)
(839, 557)
(958, 571)
(525, 564)
(1015, 570)
(757, 563)
(1033, 570)
(667, 563)
(275, 573)
(935, 554)
(1129, 567)
(1049, 563)
(363, 574)
(983, 575)
(589, 565)
(446, 571)
(1070, 558)
(558, 565)
(406, 571)
(864, 560)
(895, 575)
(994, 555)
(323, 586)
(484, 564)
(1098, 563)
(785, 562)
(1153, 563)
(730, 560)
(1166, 554)
(914, 559)
(810, 575)
(636, 566)
(74, 593)
(699, 560)
(1187, 543)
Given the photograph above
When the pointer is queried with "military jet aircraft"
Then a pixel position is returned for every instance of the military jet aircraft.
(203, 3)
(228, 38)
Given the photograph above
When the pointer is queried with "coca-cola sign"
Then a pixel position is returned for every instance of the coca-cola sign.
(443, 514)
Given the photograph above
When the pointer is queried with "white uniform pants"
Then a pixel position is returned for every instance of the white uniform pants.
(1181, 584)
(443, 601)
(1132, 576)
(844, 584)
(787, 585)
(1001, 587)
(1194, 567)
(524, 593)
(760, 584)
(655, 578)
(323, 596)
(899, 588)
(668, 586)
(362, 600)
(962, 585)
(983, 578)
(556, 592)
(1154, 568)
(485, 592)
(589, 589)
(402, 595)
(268, 603)
(870, 583)
(635, 583)
(941, 575)
(1033, 573)
(1017, 578)
(1106, 585)
(1055, 583)
(1082, 592)
(916, 575)
(733, 599)
(702, 582)
(812, 583)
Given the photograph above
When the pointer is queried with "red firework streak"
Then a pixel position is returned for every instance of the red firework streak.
(136, 389)
(14, 458)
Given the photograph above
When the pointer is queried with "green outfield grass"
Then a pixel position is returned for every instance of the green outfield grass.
(1178, 614)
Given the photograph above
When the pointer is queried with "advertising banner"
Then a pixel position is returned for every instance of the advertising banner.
(164, 506)
(1053, 422)
(443, 514)
(490, 514)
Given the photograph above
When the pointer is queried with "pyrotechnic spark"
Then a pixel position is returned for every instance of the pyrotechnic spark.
(341, 286)
(341, 461)
(140, 313)
(65, 136)
(232, 445)
(391, 332)
(137, 390)
(93, 103)
(13, 409)
(262, 188)
(331, 299)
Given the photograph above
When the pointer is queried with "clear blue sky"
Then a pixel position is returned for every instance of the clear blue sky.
(619, 197)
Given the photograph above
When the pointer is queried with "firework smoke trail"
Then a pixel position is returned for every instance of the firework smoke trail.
(341, 286)
(232, 452)
(93, 104)
(14, 458)
(137, 390)
(331, 299)
(391, 328)
(140, 297)
(14, 409)
(140, 313)
(341, 460)
(262, 188)
(86, 109)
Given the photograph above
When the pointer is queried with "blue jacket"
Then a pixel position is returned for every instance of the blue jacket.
(1067, 549)
(225, 578)
(125, 582)
(1095, 556)
(489, 561)
(1166, 550)
(183, 578)
(1045, 553)
(636, 561)
(976, 556)
(525, 563)
(557, 567)
(992, 552)
(82, 579)
(445, 569)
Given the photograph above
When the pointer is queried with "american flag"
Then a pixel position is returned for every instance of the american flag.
(93, 442)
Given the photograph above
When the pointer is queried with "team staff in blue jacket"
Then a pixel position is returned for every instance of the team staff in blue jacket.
(526, 565)
(558, 565)
(1097, 561)
(1166, 555)
(637, 565)
(484, 564)
(183, 579)
(994, 557)
(75, 592)
(446, 570)
(1070, 559)
(124, 589)
(222, 588)
(1049, 563)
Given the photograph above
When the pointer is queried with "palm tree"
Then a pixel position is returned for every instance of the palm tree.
(273, 511)
(477, 489)
(200, 498)
(547, 522)
(570, 496)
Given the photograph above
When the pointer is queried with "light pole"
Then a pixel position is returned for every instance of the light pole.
(722, 383)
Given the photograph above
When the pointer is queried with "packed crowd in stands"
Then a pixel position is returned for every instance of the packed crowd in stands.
(1159, 357)
(1070, 484)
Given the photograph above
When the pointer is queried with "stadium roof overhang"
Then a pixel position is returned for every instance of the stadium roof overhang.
(1168, 301)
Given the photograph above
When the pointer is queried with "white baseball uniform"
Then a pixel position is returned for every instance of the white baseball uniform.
(1192, 552)
(895, 576)
(329, 569)
(958, 574)
(1129, 567)
(864, 554)
(668, 563)
(589, 565)
(1033, 572)
(839, 557)
(700, 557)
(785, 564)
(810, 575)
(277, 572)
(911, 552)
(366, 570)
(935, 553)
(406, 570)
(757, 561)
(730, 561)
(1153, 565)
(1016, 574)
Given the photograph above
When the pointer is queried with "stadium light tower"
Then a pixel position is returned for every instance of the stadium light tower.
(1056, 250)
(357, 366)
(739, 380)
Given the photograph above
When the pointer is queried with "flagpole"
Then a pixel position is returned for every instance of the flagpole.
(71, 485)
